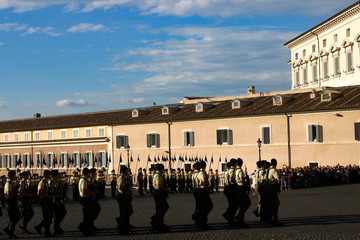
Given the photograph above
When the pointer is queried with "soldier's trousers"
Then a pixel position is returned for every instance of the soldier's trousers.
(76, 193)
(26, 210)
(47, 212)
(113, 188)
(243, 203)
(126, 210)
(97, 209)
(59, 215)
(88, 213)
(229, 192)
(273, 201)
(161, 207)
(145, 185)
(141, 185)
(206, 205)
(13, 213)
(196, 214)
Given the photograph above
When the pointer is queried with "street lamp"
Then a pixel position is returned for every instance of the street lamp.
(259, 145)
(128, 155)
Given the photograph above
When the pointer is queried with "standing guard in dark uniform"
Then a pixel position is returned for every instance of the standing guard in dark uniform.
(217, 180)
(140, 179)
(113, 183)
(25, 195)
(65, 180)
(160, 196)
(93, 186)
(57, 187)
(101, 181)
(211, 180)
(124, 200)
(75, 185)
(86, 202)
(150, 178)
(46, 204)
(195, 190)
(11, 204)
(145, 180)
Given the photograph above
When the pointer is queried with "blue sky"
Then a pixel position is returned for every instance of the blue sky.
(64, 57)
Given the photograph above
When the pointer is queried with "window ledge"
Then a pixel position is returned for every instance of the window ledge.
(350, 72)
(337, 76)
(326, 78)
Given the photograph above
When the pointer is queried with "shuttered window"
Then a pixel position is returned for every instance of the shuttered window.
(305, 75)
(357, 131)
(336, 66)
(121, 141)
(224, 136)
(297, 76)
(153, 140)
(314, 72)
(349, 62)
(266, 135)
(76, 159)
(189, 138)
(315, 133)
(326, 69)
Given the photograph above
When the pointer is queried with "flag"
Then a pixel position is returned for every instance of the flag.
(149, 159)
(43, 161)
(181, 159)
(138, 158)
(196, 159)
(25, 160)
(212, 159)
(109, 159)
(186, 158)
(158, 158)
(154, 158)
(60, 161)
(205, 158)
(55, 160)
(31, 161)
(220, 158)
(225, 159)
(120, 160)
(174, 159)
(131, 159)
(166, 159)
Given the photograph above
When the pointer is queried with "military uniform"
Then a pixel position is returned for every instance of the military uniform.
(217, 180)
(140, 179)
(11, 206)
(272, 189)
(75, 185)
(101, 184)
(195, 190)
(113, 184)
(211, 181)
(124, 200)
(46, 207)
(242, 198)
(26, 209)
(87, 207)
(161, 205)
(204, 198)
(145, 181)
(2, 193)
(229, 192)
(56, 189)
(150, 178)
(93, 186)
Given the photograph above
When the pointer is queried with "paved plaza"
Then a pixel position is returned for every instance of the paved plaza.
(315, 213)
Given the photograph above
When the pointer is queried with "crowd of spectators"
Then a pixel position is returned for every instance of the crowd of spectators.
(304, 177)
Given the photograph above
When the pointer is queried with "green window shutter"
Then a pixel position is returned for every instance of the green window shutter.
(320, 133)
(230, 136)
(219, 137)
(185, 139)
(310, 133)
(357, 131)
(148, 140)
(266, 135)
(191, 137)
(157, 140)
(349, 61)
(118, 142)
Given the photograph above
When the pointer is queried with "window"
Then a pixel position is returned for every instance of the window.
(224, 136)
(7, 138)
(335, 37)
(153, 140)
(313, 48)
(188, 138)
(88, 133)
(314, 73)
(336, 66)
(102, 132)
(277, 100)
(50, 160)
(315, 133)
(76, 159)
(349, 61)
(7, 161)
(236, 104)
(326, 69)
(305, 76)
(37, 136)
(38, 160)
(16, 160)
(100, 159)
(16, 137)
(50, 135)
(265, 133)
(26, 160)
(304, 52)
(89, 160)
(199, 107)
(357, 131)
(135, 113)
(324, 43)
(121, 141)
(297, 78)
(165, 110)
(348, 32)
(75, 133)
(1, 163)
(63, 160)
(63, 134)
(26, 137)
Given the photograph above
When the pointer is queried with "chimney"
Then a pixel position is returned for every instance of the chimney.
(251, 90)
(37, 115)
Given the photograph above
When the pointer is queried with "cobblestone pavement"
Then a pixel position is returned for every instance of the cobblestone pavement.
(316, 213)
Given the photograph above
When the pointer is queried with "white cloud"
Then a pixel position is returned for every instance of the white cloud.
(224, 8)
(12, 27)
(86, 27)
(72, 103)
(138, 100)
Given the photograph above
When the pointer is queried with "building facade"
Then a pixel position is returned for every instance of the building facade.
(329, 53)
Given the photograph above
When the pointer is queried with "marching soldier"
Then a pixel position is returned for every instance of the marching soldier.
(57, 188)
(204, 197)
(229, 191)
(151, 174)
(172, 181)
(93, 186)
(101, 183)
(86, 202)
(140, 179)
(217, 180)
(242, 197)
(145, 180)
(25, 195)
(160, 196)
(259, 189)
(211, 180)
(187, 182)
(11, 204)
(195, 188)
(113, 183)
(124, 200)
(75, 185)
(272, 190)
(46, 204)
(2, 193)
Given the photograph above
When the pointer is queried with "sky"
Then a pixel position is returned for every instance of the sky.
(63, 57)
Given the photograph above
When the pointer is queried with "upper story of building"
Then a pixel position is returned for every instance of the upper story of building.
(329, 53)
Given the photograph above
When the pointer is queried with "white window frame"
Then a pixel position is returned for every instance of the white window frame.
(7, 159)
(16, 156)
(149, 140)
(16, 137)
(63, 134)
(50, 135)
(27, 136)
(90, 159)
(37, 136)
(77, 162)
(229, 136)
(349, 66)
(38, 156)
(337, 71)
(122, 141)
(318, 131)
(28, 165)
(50, 161)
(305, 76)
(326, 70)
(262, 134)
(99, 132)
(7, 137)
(76, 130)
(88, 130)
(189, 138)
(65, 162)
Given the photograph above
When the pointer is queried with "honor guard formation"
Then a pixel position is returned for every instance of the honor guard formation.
(88, 185)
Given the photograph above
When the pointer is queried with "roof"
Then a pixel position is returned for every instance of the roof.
(261, 105)
(322, 23)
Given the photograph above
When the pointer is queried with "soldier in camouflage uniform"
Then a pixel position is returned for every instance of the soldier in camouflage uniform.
(124, 200)
(25, 195)
(56, 189)
(113, 183)
(75, 185)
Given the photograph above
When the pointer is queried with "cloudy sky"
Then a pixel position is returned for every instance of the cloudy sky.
(72, 56)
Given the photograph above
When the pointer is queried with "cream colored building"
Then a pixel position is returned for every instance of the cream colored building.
(308, 125)
(329, 53)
